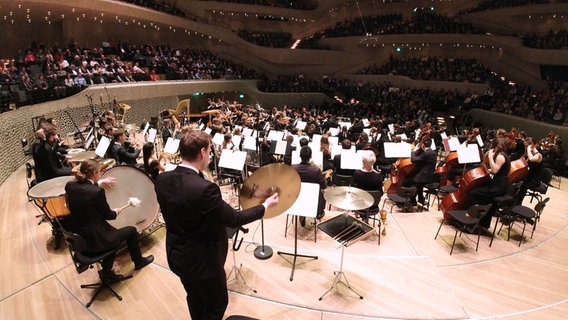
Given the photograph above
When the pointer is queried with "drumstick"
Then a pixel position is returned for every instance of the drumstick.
(339, 235)
(132, 202)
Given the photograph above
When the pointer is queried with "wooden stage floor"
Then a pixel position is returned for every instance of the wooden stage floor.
(409, 276)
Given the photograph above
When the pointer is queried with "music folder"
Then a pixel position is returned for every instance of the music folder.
(397, 150)
(172, 146)
(468, 153)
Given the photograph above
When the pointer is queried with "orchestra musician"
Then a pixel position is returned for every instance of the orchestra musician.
(89, 214)
(425, 160)
(534, 159)
(310, 173)
(122, 155)
(152, 165)
(367, 178)
(196, 216)
(498, 164)
(48, 162)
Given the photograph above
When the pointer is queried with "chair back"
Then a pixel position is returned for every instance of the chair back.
(539, 207)
(478, 211)
(513, 189)
(377, 195)
(546, 175)
(342, 180)
(76, 245)
(407, 192)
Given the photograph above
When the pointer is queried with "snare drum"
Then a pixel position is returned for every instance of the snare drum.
(132, 182)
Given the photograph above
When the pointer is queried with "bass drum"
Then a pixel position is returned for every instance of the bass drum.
(132, 182)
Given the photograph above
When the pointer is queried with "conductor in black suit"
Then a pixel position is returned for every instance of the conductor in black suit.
(196, 216)
(425, 160)
(310, 173)
(89, 214)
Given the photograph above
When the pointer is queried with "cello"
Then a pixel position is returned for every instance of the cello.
(472, 179)
(400, 170)
(451, 162)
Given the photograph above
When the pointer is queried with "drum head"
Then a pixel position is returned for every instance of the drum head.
(132, 182)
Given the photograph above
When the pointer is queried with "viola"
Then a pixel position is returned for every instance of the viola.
(400, 170)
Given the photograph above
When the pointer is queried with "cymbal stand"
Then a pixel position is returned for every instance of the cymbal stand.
(234, 269)
(340, 276)
(295, 254)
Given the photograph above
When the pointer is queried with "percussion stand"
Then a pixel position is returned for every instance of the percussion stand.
(236, 246)
(339, 276)
(295, 253)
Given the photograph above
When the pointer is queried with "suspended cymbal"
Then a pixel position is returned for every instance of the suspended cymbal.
(265, 181)
(81, 156)
(349, 198)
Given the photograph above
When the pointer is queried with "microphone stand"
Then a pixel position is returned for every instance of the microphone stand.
(78, 131)
(93, 119)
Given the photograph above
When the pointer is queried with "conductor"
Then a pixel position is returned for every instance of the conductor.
(196, 216)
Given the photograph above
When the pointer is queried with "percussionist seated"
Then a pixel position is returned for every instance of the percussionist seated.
(89, 214)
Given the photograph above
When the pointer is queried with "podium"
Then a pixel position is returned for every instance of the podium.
(346, 230)
(304, 206)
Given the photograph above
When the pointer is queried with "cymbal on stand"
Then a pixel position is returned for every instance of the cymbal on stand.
(349, 198)
(265, 181)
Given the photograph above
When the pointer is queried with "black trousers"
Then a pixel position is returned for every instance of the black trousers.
(130, 235)
(207, 299)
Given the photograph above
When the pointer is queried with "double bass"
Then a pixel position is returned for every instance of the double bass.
(400, 170)
(472, 179)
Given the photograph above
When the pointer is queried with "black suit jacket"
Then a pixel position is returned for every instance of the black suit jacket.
(47, 163)
(123, 156)
(89, 214)
(425, 165)
(196, 216)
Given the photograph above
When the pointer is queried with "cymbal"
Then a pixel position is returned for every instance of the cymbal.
(265, 181)
(349, 198)
(79, 157)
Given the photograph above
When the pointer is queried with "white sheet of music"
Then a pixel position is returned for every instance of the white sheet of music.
(233, 159)
(366, 122)
(247, 132)
(146, 127)
(444, 135)
(335, 150)
(301, 125)
(468, 153)
(274, 135)
(333, 141)
(315, 146)
(172, 146)
(89, 141)
(391, 127)
(102, 148)
(479, 141)
(254, 133)
(305, 206)
(280, 147)
(296, 141)
(201, 126)
(208, 130)
(316, 138)
(218, 138)
(367, 131)
(350, 160)
(334, 131)
(152, 135)
(397, 150)
(249, 143)
(170, 166)
(453, 143)
(433, 145)
(237, 141)
(403, 137)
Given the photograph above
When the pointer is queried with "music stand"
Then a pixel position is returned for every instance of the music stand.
(346, 230)
(233, 234)
(304, 206)
(234, 162)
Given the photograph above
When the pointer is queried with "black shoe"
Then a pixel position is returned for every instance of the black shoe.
(110, 276)
(303, 221)
(145, 261)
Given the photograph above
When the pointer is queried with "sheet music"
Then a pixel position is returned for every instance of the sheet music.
(397, 150)
(280, 147)
(444, 135)
(468, 153)
(274, 135)
(333, 141)
(367, 131)
(237, 141)
(391, 127)
(233, 160)
(403, 137)
(344, 124)
(334, 131)
(305, 206)
(218, 138)
(89, 141)
(247, 132)
(366, 122)
(145, 129)
(335, 150)
(301, 125)
(172, 146)
(479, 141)
(170, 167)
(102, 148)
(249, 143)
(152, 135)
(208, 130)
(453, 143)
(351, 160)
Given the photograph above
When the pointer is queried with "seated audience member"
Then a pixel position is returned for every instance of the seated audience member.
(89, 214)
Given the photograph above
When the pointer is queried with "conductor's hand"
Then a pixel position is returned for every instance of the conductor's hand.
(271, 201)
(107, 182)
